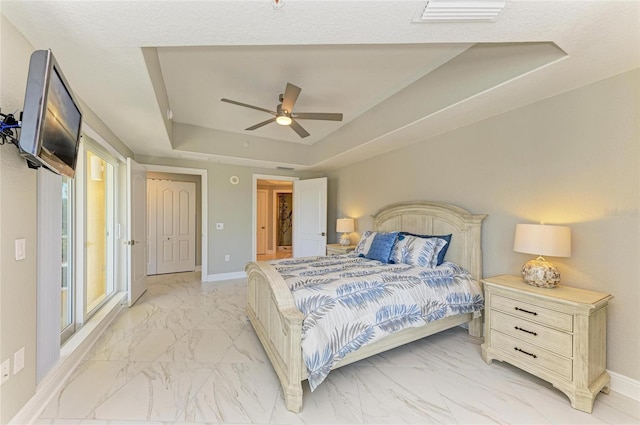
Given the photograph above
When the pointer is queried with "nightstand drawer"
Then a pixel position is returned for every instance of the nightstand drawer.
(534, 313)
(551, 339)
(532, 357)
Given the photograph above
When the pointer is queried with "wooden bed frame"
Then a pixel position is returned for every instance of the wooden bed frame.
(278, 322)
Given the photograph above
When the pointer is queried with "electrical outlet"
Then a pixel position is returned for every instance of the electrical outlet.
(219, 226)
(4, 371)
(18, 360)
(226, 257)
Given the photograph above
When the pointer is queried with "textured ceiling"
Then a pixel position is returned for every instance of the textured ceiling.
(395, 81)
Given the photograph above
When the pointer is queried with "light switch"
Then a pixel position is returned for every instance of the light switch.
(21, 249)
(219, 226)
(18, 360)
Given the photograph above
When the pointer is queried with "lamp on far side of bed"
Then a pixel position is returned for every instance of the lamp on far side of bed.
(542, 239)
(345, 226)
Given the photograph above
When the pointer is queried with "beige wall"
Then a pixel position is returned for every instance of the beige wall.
(17, 220)
(572, 159)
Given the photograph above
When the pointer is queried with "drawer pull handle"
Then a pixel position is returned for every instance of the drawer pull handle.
(524, 352)
(526, 311)
(524, 330)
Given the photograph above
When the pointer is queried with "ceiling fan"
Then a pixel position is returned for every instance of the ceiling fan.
(284, 114)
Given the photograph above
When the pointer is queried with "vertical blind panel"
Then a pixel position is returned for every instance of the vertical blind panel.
(49, 266)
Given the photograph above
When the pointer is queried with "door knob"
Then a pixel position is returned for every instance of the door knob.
(322, 234)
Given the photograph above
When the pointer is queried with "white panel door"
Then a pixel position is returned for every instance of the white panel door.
(152, 219)
(137, 229)
(261, 230)
(176, 226)
(310, 217)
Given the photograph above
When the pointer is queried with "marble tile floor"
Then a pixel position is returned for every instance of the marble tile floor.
(185, 353)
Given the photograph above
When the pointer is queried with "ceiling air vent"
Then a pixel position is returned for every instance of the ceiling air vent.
(461, 11)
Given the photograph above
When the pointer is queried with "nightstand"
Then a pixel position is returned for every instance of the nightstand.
(337, 249)
(556, 334)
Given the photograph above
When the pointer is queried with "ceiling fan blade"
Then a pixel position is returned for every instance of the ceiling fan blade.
(247, 105)
(318, 116)
(291, 94)
(298, 129)
(269, 121)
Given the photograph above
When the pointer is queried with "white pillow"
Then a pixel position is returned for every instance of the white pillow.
(415, 251)
(365, 242)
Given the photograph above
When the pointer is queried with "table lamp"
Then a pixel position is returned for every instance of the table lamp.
(345, 226)
(542, 239)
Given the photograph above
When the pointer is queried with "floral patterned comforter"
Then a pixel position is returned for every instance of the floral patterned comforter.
(349, 301)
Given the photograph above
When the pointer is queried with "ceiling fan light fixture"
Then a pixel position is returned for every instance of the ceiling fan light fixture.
(283, 120)
(284, 111)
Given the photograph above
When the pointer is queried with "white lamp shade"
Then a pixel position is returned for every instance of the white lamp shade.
(543, 239)
(345, 225)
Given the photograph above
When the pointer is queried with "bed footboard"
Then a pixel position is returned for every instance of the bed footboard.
(278, 324)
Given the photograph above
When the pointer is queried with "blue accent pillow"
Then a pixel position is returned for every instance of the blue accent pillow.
(381, 247)
(443, 251)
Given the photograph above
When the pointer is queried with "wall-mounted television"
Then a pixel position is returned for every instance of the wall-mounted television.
(52, 118)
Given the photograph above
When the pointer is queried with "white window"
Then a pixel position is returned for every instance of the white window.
(96, 259)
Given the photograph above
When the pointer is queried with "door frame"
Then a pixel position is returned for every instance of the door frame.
(205, 203)
(254, 209)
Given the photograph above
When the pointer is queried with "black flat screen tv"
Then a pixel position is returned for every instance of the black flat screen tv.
(52, 118)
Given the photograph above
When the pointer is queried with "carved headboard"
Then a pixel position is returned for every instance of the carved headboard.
(437, 218)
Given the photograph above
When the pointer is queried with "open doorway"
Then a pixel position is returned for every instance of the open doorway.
(274, 219)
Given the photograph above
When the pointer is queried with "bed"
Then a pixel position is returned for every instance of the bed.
(278, 322)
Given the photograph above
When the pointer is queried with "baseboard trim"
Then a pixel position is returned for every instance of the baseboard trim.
(71, 354)
(225, 276)
(624, 385)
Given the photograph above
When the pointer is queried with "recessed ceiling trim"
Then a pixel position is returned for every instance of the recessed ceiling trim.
(196, 156)
(462, 10)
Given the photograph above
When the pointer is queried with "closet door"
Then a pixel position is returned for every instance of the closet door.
(176, 231)
(152, 224)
